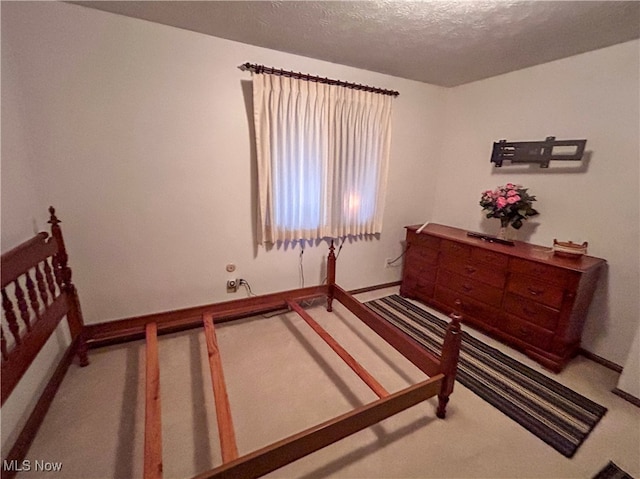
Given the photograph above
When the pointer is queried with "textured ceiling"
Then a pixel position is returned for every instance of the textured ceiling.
(444, 43)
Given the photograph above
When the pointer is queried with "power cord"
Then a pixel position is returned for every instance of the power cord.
(394, 260)
(245, 283)
(340, 247)
(308, 303)
(301, 268)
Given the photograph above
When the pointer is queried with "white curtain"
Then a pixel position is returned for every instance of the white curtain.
(323, 154)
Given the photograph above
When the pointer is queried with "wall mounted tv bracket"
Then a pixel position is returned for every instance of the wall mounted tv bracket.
(541, 152)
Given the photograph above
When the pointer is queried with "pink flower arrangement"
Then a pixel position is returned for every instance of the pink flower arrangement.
(510, 203)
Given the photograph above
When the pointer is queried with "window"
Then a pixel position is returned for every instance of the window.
(323, 154)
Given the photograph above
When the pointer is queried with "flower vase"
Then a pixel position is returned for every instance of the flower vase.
(504, 233)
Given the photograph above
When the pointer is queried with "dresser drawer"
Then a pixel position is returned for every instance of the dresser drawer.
(549, 274)
(531, 311)
(470, 287)
(417, 287)
(453, 249)
(423, 255)
(536, 290)
(420, 269)
(497, 261)
(423, 240)
(527, 332)
(475, 270)
(469, 308)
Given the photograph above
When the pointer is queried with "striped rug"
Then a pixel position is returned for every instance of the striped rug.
(559, 416)
(612, 471)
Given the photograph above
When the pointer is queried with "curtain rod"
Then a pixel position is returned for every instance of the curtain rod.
(252, 67)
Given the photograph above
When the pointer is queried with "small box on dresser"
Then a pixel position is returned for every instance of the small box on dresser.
(523, 295)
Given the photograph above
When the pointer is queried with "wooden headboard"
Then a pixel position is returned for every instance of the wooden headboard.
(37, 293)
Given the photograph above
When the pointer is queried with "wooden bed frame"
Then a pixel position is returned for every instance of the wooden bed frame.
(53, 296)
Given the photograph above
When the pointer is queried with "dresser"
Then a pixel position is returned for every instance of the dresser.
(522, 295)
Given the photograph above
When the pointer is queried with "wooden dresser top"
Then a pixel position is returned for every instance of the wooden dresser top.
(521, 249)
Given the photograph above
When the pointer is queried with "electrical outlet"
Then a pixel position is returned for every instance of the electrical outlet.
(388, 263)
(232, 285)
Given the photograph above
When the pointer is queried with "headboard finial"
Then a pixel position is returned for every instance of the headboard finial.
(53, 219)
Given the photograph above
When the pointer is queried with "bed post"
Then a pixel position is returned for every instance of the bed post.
(449, 362)
(331, 275)
(74, 317)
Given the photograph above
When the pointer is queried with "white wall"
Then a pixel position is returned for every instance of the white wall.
(629, 380)
(594, 96)
(139, 135)
(20, 199)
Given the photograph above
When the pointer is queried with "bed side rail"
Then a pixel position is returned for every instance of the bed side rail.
(409, 348)
(113, 332)
(446, 364)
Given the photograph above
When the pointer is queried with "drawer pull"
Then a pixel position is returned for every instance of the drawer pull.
(529, 312)
(469, 269)
(535, 292)
(467, 288)
(524, 332)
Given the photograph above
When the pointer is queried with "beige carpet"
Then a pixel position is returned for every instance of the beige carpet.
(281, 379)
